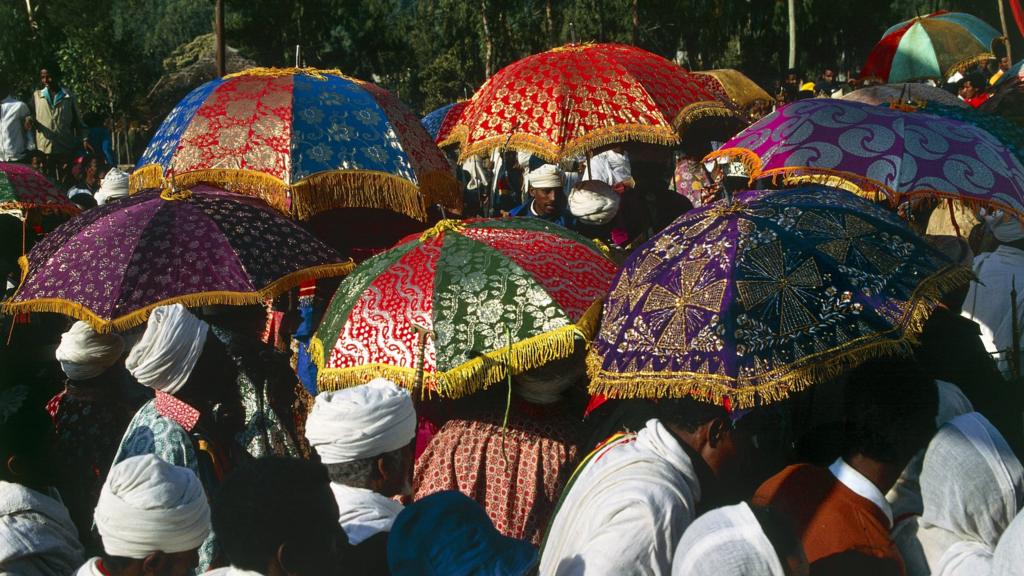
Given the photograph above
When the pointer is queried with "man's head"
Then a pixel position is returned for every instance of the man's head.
(169, 350)
(546, 190)
(1004, 63)
(49, 79)
(792, 76)
(828, 74)
(152, 517)
(38, 160)
(890, 406)
(364, 435)
(83, 354)
(967, 89)
(277, 516)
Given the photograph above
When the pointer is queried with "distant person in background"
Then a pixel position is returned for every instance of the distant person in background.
(58, 121)
(790, 86)
(113, 187)
(1004, 65)
(971, 90)
(827, 84)
(98, 138)
(16, 139)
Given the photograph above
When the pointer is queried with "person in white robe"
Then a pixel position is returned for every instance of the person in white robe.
(1008, 559)
(152, 517)
(988, 298)
(972, 487)
(611, 167)
(364, 435)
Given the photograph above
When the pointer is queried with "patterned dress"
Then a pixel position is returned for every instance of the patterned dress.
(516, 473)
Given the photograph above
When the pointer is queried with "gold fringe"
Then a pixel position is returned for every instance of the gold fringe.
(65, 209)
(316, 73)
(316, 352)
(137, 317)
(148, 176)
(472, 376)
(776, 385)
(699, 110)
(661, 135)
(445, 225)
(966, 63)
(750, 160)
(270, 189)
(441, 188)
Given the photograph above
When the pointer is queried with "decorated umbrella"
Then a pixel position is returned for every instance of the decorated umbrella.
(749, 301)
(878, 151)
(931, 47)
(1010, 134)
(440, 122)
(465, 303)
(303, 140)
(1007, 98)
(733, 86)
(23, 189)
(916, 94)
(578, 97)
(113, 264)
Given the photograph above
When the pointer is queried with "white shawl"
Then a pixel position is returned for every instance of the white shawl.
(627, 509)
(364, 513)
(972, 487)
(610, 167)
(1008, 559)
(37, 536)
(726, 541)
(988, 300)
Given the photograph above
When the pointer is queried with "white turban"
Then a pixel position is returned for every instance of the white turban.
(1004, 227)
(546, 176)
(113, 187)
(84, 354)
(593, 202)
(164, 357)
(148, 505)
(361, 422)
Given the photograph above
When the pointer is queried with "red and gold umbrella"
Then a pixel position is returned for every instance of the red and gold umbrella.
(578, 97)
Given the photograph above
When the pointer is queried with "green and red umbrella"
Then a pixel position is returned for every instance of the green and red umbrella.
(462, 306)
(22, 188)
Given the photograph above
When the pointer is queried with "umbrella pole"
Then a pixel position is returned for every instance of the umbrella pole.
(421, 332)
(952, 218)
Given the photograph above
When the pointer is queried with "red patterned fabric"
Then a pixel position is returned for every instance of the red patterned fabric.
(170, 407)
(517, 474)
(23, 188)
(576, 97)
(880, 59)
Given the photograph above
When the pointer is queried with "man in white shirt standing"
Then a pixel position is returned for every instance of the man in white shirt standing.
(15, 126)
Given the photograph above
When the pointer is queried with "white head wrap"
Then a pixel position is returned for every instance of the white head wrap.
(546, 176)
(84, 354)
(164, 357)
(972, 487)
(148, 505)
(113, 186)
(725, 542)
(1004, 227)
(361, 422)
(594, 202)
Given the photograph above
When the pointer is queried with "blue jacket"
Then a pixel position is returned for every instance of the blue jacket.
(563, 219)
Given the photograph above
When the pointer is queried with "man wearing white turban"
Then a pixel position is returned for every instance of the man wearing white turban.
(998, 272)
(152, 517)
(113, 186)
(89, 416)
(190, 373)
(546, 197)
(364, 435)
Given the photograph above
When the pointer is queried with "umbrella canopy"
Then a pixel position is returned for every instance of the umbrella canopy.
(933, 46)
(919, 94)
(113, 264)
(578, 97)
(1009, 134)
(440, 122)
(753, 300)
(733, 86)
(500, 297)
(22, 189)
(1007, 98)
(303, 140)
(878, 151)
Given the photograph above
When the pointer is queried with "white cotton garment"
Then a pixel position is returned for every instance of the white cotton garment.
(727, 541)
(164, 357)
(90, 568)
(113, 186)
(364, 513)
(1008, 559)
(610, 167)
(84, 354)
(147, 505)
(1004, 227)
(626, 510)
(361, 422)
(594, 202)
(972, 487)
(37, 536)
(988, 300)
(545, 176)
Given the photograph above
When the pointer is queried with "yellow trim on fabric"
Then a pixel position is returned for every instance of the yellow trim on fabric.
(777, 384)
(270, 72)
(605, 136)
(137, 317)
(967, 63)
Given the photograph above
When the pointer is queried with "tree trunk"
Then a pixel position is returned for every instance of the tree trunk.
(549, 22)
(792, 33)
(488, 43)
(636, 22)
(218, 28)
(1006, 34)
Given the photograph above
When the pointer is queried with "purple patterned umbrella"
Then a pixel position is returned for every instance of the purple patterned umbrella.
(756, 299)
(111, 265)
(877, 150)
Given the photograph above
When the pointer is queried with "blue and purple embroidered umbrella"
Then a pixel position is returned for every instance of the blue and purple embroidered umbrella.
(752, 300)
(440, 122)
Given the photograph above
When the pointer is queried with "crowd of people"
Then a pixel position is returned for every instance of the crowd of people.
(191, 445)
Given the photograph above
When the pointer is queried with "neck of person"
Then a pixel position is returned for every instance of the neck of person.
(881, 474)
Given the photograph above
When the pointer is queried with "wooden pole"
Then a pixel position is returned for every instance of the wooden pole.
(1006, 31)
(298, 55)
(792, 34)
(218, 25)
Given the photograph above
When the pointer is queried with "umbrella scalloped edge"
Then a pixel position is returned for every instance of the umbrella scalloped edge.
(472, 376)
(137, 317)
(770, 387)
(320, 192)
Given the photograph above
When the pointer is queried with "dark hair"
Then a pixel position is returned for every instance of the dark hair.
(890, 407)
(688, 413)
(780, 532)
(361, 473)
(273, 501)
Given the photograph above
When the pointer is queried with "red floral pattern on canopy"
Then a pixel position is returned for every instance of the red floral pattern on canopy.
(22, 188)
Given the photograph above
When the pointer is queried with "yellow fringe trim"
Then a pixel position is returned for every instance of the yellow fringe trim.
(317, 73)
(137, 317)
(777, 384)
(478, 373)
(750, 160)
(699, 110)
(970, 62)
(148, 176)
(64, 209)
(573, 47)
(661, 135)
(174, 195)
(442, 226)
